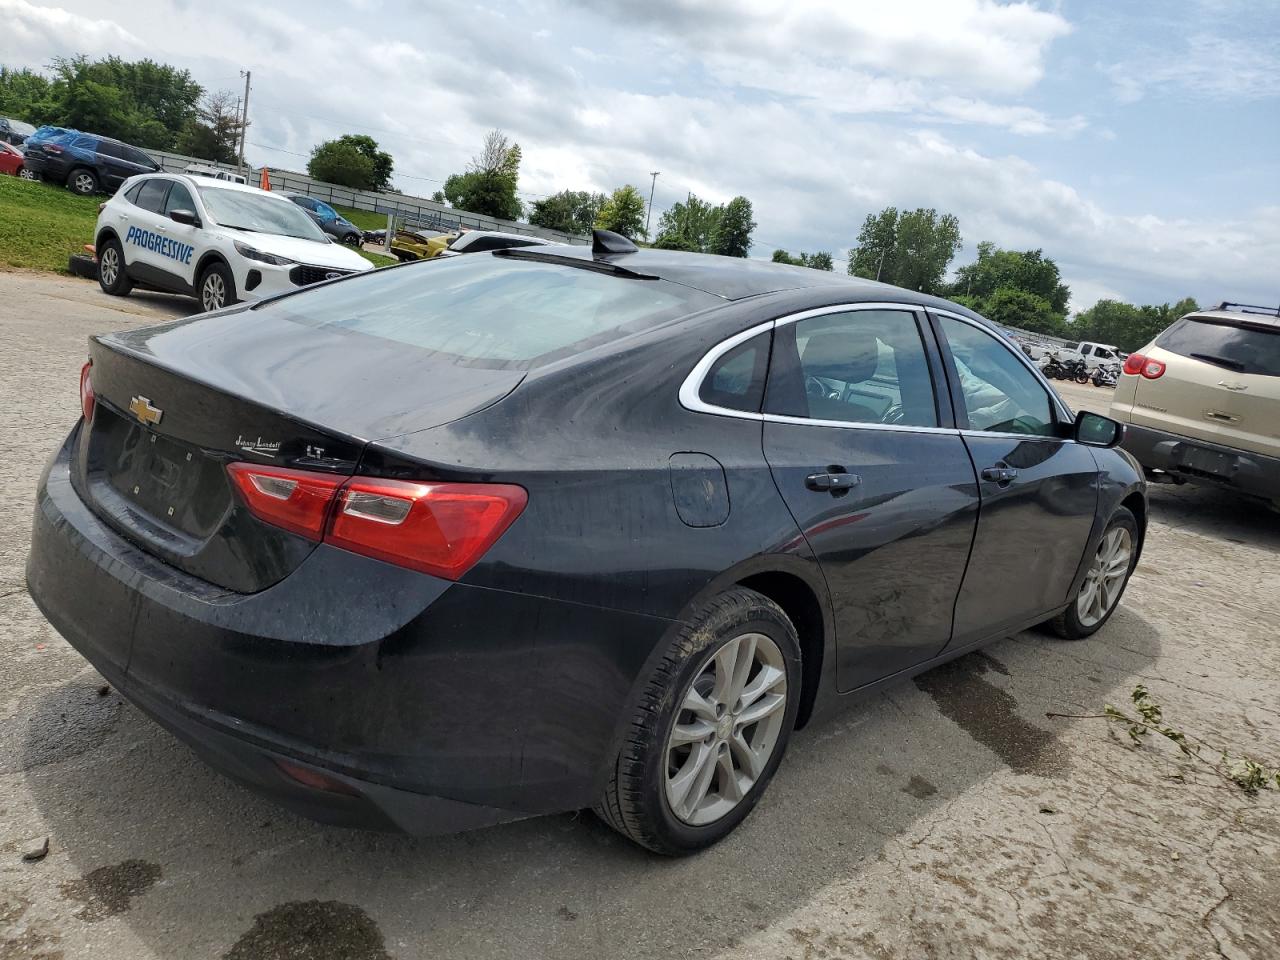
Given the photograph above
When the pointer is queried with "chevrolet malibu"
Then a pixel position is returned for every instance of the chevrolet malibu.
(465, 541)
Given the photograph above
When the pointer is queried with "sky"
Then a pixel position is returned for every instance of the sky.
(1136, 143)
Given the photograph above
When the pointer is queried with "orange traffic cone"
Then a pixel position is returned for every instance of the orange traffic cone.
(266, 179)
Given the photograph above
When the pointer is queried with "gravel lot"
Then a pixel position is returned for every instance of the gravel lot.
(946, 818)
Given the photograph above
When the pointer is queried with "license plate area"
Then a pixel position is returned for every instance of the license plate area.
(1200, 460)
(165, 480)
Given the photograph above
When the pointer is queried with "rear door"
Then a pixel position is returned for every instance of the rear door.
(1039, 489)
(1221, 383)
(863, 451)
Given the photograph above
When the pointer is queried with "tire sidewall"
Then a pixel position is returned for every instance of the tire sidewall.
(1072, 627)
(717, 632)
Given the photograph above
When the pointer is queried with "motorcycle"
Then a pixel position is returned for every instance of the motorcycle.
(1104, 376)
(1076, 370)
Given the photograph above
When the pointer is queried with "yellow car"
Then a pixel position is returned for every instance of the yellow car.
(419, 244)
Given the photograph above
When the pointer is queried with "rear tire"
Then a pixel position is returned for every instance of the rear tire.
(83, 182)
(1104, 584)
(717, 711)
(217, 287)
(111, 269)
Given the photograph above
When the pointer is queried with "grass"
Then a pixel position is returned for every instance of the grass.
(42, 225)
(364, 219)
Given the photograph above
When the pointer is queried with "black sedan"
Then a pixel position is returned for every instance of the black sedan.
(459, 542)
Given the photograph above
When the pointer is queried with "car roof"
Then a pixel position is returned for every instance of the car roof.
(735, 278)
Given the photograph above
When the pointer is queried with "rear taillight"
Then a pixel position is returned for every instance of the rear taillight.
(87, 398)
(1137, 364)
(51, 148)
(297, 500)
(438, 528)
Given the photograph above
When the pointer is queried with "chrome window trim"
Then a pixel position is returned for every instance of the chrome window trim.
(691, 388)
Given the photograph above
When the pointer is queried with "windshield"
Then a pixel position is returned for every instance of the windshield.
(261, 214)
(483, 311)
(1232, 346)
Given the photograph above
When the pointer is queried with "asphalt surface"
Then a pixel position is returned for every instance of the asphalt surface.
(946, 818)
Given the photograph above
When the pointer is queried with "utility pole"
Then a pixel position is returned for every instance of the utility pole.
(648, 213)
(244, 118)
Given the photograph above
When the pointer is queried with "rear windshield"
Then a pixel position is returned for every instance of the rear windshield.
(485, 311)
(1227, 345)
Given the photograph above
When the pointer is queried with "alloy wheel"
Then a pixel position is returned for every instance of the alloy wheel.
(84, 183)
(26, 174)
(726, 729)
(109, 267)
(1105, 580)
(213, 293)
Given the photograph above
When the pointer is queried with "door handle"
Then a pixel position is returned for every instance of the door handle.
(1000, 473)
(835, 482)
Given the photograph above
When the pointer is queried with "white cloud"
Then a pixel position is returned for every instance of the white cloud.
(30, 36)
(1212, 67)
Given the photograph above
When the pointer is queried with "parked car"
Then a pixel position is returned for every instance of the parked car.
(1202, 400)
(219, 242)
(12, 162)
(14, 132)
(483, 241)
(1097, 354)
(328, 219)
(440, 546)
(213, 173)
(420, 244)
(87, 163)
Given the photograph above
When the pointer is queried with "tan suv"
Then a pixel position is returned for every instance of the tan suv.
(1202, 401)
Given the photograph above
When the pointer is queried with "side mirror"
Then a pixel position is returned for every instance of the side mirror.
(1095, 430)
(185, 216)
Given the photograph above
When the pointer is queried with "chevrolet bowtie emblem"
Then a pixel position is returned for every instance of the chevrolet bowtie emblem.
(141, 408)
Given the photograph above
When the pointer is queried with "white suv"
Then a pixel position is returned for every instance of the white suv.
(217, 241)
(1202, 400)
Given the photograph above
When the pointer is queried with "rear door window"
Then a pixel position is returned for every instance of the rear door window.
(1233, 346)
(863, 366)
(494, 312)
(151, 196)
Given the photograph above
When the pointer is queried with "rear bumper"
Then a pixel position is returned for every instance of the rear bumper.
(423, 699)
(54, 169)
(1203, 462)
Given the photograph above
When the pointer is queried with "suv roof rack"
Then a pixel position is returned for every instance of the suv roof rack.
(1249, 308)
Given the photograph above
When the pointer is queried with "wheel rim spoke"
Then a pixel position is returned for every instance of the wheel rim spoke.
(726, 729)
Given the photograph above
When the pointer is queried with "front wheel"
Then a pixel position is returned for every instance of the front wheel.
(1105, 580)
(217, 287)
(710, 729)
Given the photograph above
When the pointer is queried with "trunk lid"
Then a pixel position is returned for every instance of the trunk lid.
(176, 403)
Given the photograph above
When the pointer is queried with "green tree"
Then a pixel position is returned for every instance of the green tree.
(1127, 326)
(570, 211)
(24, 95)
(1028, 270)
(216, 134)
(1026, 311)
(690, 225)
(488, 187)
(911, 249)
(732, 235)
(342, 163)
(623, 213)
(817, 261)
(144, 103)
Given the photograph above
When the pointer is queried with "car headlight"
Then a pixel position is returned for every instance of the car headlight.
(249, 253)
